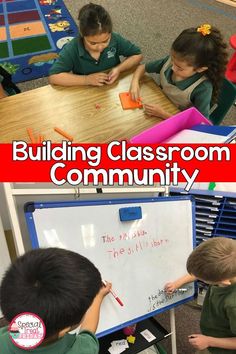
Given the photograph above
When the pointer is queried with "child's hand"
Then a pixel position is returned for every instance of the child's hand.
(134, 90)
(199, 341)
(97, 79)
(91, 318)
(170, 287)
(113, 76)
(154, 110)
(105, 289)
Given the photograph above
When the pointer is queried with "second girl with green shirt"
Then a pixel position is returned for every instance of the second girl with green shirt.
(191, 75)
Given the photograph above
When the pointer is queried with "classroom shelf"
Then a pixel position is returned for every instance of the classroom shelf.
(140, 343)
(215, 213)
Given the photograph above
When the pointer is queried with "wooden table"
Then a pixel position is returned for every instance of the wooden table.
(74, 111)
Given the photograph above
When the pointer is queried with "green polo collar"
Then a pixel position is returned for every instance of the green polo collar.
(83, 52)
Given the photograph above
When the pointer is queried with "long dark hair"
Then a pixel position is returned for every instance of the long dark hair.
(201, 50)
(93, 20)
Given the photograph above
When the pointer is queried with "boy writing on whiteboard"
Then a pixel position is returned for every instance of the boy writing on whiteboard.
(64, 289)
(214, 262)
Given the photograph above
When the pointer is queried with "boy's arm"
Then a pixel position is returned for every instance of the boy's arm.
(224, 343)
(91, 318)
(201, 342)
(172, 286)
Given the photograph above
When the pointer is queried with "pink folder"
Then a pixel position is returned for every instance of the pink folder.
(164, 130)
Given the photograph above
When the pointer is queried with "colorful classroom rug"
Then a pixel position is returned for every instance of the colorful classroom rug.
(228, 2)
(32, 32)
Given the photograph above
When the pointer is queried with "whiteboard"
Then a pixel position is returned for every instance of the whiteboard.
(138, 256)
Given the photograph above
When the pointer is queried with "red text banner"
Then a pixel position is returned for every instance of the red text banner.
(117, 162)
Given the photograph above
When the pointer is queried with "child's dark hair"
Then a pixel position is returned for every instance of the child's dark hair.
(56, 284)
(93, 20)
(201, 50)
(213, 260)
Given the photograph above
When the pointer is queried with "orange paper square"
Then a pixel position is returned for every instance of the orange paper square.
(128, 103)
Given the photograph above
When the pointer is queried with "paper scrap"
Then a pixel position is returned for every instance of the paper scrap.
(148, 335)
(118, 346)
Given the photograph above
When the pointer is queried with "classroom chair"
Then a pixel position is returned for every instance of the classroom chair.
(7, 82)
(226, 99)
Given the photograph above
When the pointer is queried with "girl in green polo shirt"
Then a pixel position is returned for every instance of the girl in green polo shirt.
(191, 75)
(93, 58)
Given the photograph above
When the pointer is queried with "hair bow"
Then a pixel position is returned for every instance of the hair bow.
(204, 29)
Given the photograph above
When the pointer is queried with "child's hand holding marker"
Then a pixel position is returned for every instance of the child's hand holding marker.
(178, 283)
(171, 287)
(106, 288)
(105, 283)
